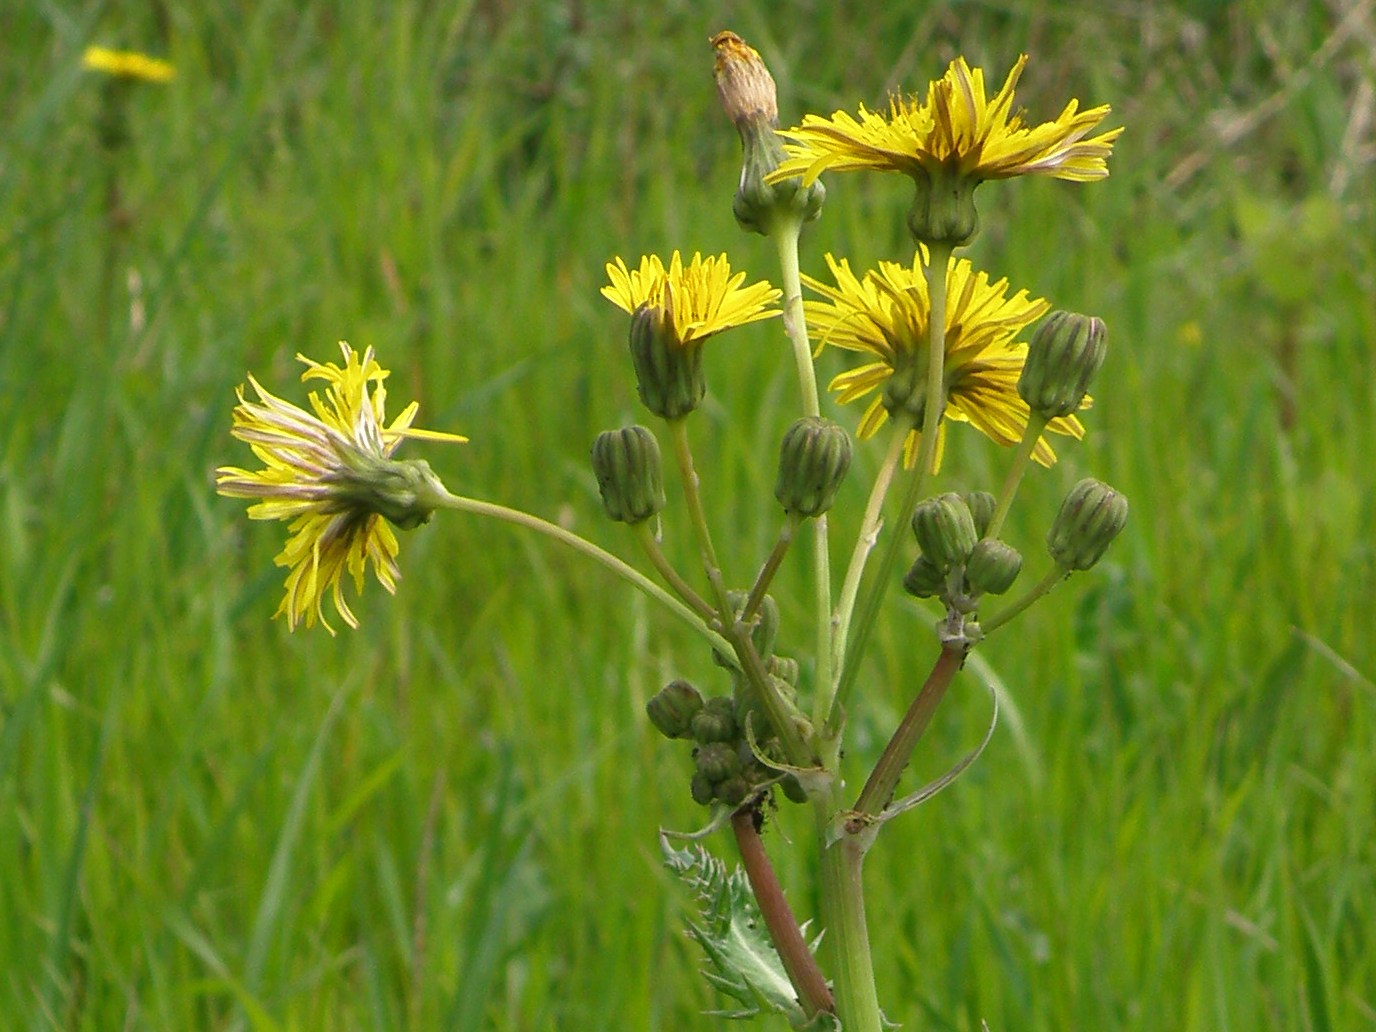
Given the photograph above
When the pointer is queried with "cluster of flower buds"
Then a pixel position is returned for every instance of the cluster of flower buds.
(729, 729)
(957, 563)
(726, 768)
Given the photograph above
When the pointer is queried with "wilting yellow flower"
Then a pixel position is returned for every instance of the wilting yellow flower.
(331, 474)
(127, 64)
(747, 90)
(955, 130)
(699, 301)
(887, 314)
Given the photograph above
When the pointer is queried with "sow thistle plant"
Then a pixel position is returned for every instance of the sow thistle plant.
(940, 342)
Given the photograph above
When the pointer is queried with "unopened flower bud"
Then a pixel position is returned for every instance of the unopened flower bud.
(765, 625)
(793, 789)
(702, 790)
(1090, 518)
(992, 567)
(924, 579)
(749, 97)
(715, 722)
(813, 460)
(718, 761)
(733, 791)
(982, 505)
(668, 372)
(627, 466)
(1065, 353)
(673, 707)
(945, 530)
(785, 669)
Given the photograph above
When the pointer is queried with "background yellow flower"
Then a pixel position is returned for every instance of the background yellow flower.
(958, 129)
(127, 64)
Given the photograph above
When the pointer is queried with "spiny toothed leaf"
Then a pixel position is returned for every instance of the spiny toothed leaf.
(741, 961)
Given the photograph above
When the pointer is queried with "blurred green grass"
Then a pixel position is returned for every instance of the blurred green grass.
(446, 819)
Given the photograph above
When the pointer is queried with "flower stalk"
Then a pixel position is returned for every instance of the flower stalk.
(1036, 423)
(620, 567)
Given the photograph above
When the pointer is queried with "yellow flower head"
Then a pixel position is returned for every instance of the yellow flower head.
(955, 130)
(127, 64)
(330, 473)
(886, 315)
(698, 301)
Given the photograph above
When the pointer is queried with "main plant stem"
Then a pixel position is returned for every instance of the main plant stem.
(847, 937)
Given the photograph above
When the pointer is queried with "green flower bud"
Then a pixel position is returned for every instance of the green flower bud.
(945, 530)
(793, 789)
(673, 707)
(993, 567)
(733, 791)
(715, 722)
(982, 505)
(924, 579)
(627, 466)
(785, 669)
(749, 98)
(1065, 353)
(668, 372)
(813, 461)
(943, 209)
(702, 790)
(766, 626)
(1090, 518)
(718, 761)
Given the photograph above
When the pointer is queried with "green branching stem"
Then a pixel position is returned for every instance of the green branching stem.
(683, 457)
(770, 567)
(934, 404)
(847, 944)
(785, 233)
(1035, 425)
(933, 407)
(879, 788)
(737, 631)
(616, 565)
(1041, 588)
(671, 576)
(864, 545)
